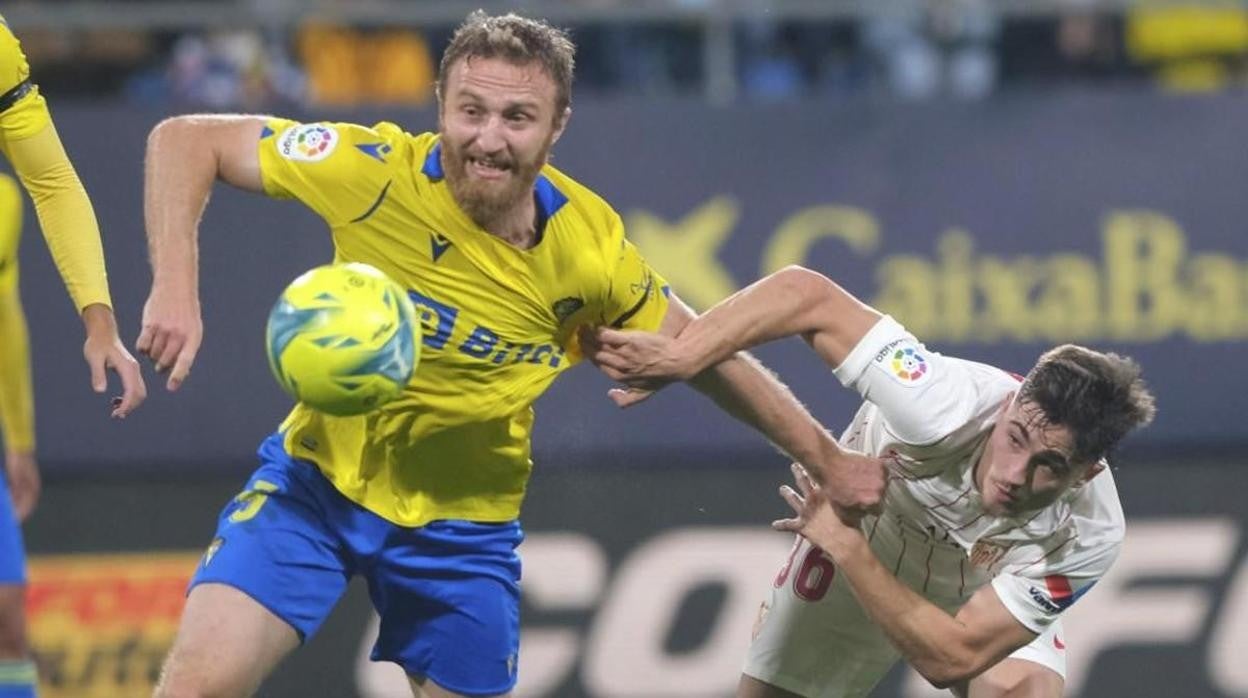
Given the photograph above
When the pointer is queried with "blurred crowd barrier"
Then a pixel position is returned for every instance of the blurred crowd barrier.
(263, 53)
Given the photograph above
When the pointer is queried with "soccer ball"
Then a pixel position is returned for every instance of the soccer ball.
(342, 339)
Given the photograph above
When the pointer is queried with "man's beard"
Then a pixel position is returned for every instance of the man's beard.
(484, 201)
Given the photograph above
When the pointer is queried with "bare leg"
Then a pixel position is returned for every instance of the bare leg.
(17, 668)
(13, 623)
(422, 687)
(1017, 678)
(750, 687)
(227, 643)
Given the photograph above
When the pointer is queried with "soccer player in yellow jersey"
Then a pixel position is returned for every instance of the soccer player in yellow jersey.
(506, 258)
(30, 143)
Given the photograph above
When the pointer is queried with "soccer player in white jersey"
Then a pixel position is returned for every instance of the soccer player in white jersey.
(1000, 511)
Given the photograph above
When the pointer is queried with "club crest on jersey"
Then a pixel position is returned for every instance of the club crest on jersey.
(986, 554)
(439, 244)
(308, 142)
(565, 307)
(906, 362)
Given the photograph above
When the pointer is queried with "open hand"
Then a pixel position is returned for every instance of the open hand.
(103, 351)
(816, 520)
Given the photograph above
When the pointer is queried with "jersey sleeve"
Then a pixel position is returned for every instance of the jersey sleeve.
(1038, 601)
(30, 142)
(637, 296)
(23, 111)
(922, 395)
(1037, 591)
(337, 170)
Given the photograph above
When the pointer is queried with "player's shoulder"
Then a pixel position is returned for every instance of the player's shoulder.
(581, 207)
(13, 67)
(9, 45)
(1097, 510)
(313, 141)
(992, 384)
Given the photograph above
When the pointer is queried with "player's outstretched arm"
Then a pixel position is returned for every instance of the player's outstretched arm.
(947, 650)
(69, 226)
(744, 388)
(792, 301)
(185, 156)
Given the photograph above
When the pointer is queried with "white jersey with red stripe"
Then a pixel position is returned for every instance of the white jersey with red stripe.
(934, 413)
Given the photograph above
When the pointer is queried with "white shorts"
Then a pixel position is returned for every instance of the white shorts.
(814, 639)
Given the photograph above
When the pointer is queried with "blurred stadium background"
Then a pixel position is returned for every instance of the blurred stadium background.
(1002, 176)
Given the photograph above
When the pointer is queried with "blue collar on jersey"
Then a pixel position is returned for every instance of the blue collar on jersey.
(547, 197)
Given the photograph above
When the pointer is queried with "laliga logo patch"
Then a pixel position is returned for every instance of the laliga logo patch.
(308, 142)
(907, 366)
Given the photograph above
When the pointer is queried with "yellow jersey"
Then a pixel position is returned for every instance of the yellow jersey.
(24, 110)
(30, 142)
(498, 322)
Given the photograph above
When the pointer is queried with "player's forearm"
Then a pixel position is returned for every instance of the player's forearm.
(931, 640)
(180, 169)
(66, 216)
(792, 301)
(742, 387)
(17, 413)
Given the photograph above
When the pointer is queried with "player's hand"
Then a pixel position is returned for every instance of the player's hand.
(171, 334)
(855, 482)
(104, 350)
(816, 518)
(23, 475)
(642, 360)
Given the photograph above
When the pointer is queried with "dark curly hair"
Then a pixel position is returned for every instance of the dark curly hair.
(1099, 397)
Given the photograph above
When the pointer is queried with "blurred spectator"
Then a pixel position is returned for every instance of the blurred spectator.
(232, 70)
(925, 49)
(1191, 48)
(769, 65)
(225, 70)
(909, 49)
(639, 58)
(348, 66)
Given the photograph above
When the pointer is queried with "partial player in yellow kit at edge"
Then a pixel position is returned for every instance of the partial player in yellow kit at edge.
(31, 145)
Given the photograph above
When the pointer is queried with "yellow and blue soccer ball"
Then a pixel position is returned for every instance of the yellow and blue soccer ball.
(343, 339)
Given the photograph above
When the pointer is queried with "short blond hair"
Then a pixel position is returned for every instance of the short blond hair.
(518, 40)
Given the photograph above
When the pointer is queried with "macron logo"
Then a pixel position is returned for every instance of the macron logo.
(440, 245)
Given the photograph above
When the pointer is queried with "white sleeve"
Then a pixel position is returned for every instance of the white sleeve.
(1036, 603)
(923, 396)
(1037, 594)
